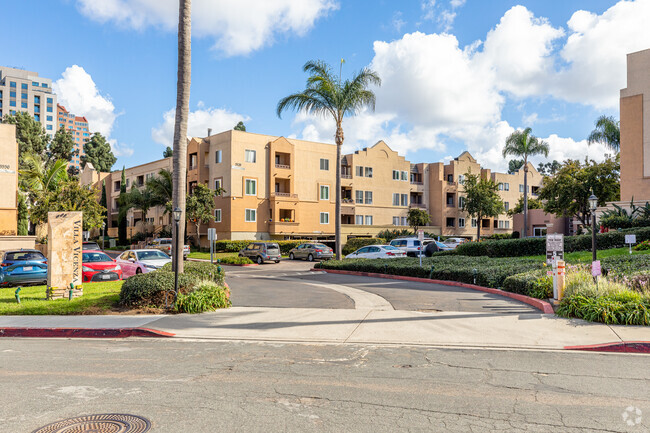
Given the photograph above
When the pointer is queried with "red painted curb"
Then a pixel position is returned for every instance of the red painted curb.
(544, 306)
(233, 264)
(620, 346)
(83, 332)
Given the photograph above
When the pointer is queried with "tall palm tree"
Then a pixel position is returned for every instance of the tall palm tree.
(608, 132)
(327, 95)
(180, 124)
(523, 144)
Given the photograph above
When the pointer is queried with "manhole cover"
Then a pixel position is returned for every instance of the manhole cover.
(105, 423)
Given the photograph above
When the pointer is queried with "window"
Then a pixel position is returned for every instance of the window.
(12, 103)
(404, 175)
(37, 99)
(217, 157)
(450, 200)
(451, 222)
(368, 171)
(217, 215)
(358, 171)
(404, 221)
(49, 118)
(50, 100)
(251, 215)
(251, 156)
(474, 222)
(539, 231)
(23, 105)
(395, 174)
(217, 184)
(251, 187)
(395, 199)
(461, 223)
(44, 85)
(324, 218)
(507, 224)
(12, 94)
(37, 117)
(450, 178)
(404, 200)
(324, 192)
(368, 197)
(23, 96)
(24, 86)
(324, 164)
(12, 84)
(506, 205)
(358, 197)
(358, 219)
(48, 127)
(521, 188)
(461, 202)
(461, 178)
(49, 109)
(506, 186)
(368, 220)
(395, 221)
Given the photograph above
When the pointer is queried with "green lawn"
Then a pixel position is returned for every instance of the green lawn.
(206, 256)
(98, 298)
(585, 256)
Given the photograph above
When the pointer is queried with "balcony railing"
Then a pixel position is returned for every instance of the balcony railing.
(420, 205)
(284, 194)
(284, 166)
(415, 182)
(346, 176)
(192, 167)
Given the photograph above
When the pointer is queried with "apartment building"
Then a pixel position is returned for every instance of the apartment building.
(77, 126)
(22, 90)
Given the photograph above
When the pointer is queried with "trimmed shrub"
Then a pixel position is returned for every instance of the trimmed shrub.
(535, 284)
(643, 246)
(235, 261)
(206, 297)
(354, 244)
(622, 307)
(201, 271)
(150, 289)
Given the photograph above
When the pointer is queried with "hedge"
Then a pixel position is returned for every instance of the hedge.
(537, 246)
(354, 244)
(206, 297)
(201, 270)
(535, 284)
(623, 308)
(235, 261)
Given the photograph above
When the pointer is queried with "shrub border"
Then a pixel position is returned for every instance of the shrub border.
(541, 305)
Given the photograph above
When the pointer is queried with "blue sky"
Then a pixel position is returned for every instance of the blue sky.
(458, 74)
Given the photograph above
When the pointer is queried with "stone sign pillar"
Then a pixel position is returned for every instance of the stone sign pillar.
(64, 245)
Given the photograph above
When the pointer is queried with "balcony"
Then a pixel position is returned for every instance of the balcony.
(346, 176)
(284, 196)
(283, 166)
(414, 182)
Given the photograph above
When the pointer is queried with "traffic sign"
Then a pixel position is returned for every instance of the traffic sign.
(212, 234)
(554, 247)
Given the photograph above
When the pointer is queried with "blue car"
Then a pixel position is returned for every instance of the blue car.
(22, 267)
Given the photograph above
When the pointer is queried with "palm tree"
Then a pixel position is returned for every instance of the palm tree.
(608, 132)
(523, 144)
(39, 176)
(180, 124)
(327, 95)
(161, 188)
(137, 199)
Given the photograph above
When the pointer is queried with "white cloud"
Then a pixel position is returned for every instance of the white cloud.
(120, 149)
(444, 16)
(217, 119)
(238, 27)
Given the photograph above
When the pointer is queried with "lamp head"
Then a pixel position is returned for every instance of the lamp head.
(177, 214)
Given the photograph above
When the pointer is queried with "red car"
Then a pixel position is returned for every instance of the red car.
(97, 266)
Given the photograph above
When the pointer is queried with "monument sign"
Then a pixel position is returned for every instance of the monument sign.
(64, 246)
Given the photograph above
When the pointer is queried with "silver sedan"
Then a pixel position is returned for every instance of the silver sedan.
(311, 252)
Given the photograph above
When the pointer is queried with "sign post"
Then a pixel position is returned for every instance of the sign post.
(421, 239)
(630, 239)
(554, 253)
(212, 236)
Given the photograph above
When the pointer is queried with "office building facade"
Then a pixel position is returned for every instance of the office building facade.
(77, 126)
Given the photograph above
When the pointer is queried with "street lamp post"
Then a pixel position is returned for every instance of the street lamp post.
(593, 204)
(103, 233)
(177, 217)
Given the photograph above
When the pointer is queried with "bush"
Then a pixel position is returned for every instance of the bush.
(354, 244)
(206, 297)
(619, 307)
(150, 289)
(389, 235)
(643, 246)
(535, 284)
(235, 260)
(201, 271)
(499, 236)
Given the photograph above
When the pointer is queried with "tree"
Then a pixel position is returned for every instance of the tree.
(184, 79)
(481, 199)
(23, 214)
(138, 200)
(514, 165)
(240, 126)
(417, 218)
(104, 203)
(62, 146)
(30, 135)
(524, 144)
(548, 169)
(607, 132)
(567, 193)
(37, 178)
(200, 206)
(327, 95)
(70, 196)
(121, 218)
(168, 153)
(533, 203)
(98, 152)
(161, 188)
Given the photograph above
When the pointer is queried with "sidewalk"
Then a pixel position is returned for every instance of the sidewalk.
(453, 329)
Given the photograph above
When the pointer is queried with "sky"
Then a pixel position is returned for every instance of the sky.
(456, 74)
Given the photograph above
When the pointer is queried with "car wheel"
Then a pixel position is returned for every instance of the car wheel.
(138, 271)
(277, 261)
(310, 258)
(260, 260)
(292, 257)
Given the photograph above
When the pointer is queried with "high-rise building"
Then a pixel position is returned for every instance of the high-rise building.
(78, 128)
(22, 90)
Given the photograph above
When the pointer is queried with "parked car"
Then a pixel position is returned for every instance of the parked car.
(411, 246)
(311, 251)
(97, 266)
(20, 267)
(91, 246)
(262, 251)
(141, 261)
(454, 242)
(165, 245)
(434, 247)
(377, 252)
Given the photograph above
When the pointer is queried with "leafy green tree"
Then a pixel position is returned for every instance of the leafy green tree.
(533, 203)
(200, 206)
(104, 202)
(70, 196)
(524, 144)
(168, 153)
(329, 96)
(514, 165)
(23, 214)
(548, 169)
(417, 218)
(240, 126)
(567, 193)
(98, 152)
(482, 199)
(62, 146)
(121, 218)
(608, 132)
(30, 135)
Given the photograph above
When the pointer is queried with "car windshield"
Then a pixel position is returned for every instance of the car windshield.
(391, 248)
(272, 246)
(441, 245)
(25, 255)
(320, 246)
(95, 258)
(152, 255)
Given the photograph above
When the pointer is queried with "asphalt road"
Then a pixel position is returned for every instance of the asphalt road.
(197, 386)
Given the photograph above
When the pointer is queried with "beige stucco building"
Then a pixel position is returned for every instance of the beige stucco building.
(8, 180)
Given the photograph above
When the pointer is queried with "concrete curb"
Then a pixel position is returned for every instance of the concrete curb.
(619, 346)
(543, 306)
(221, 264)
(83, 332)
